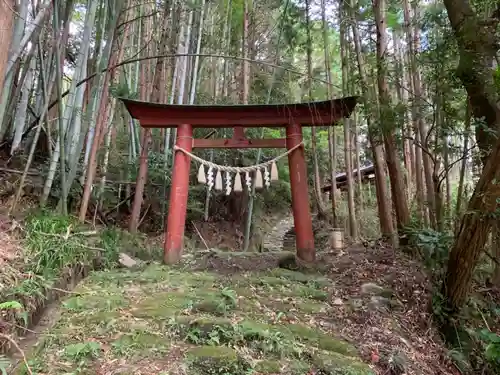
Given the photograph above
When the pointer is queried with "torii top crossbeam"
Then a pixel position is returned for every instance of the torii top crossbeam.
(291, 116)
(324, 113)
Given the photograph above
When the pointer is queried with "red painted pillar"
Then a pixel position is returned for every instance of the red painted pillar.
(304, 238)
(174, 230)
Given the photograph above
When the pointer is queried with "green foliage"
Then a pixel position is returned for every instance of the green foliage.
(56, 242)
(491, 344)
(220, 304)
(18, 308)
(222, 332)
(432, 246)
(14, 305)
(83, 350)
(210, 360)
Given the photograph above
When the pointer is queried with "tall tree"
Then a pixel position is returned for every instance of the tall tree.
(6, 23)
(369, 97)
(477, 46)
(155, 97)
(388, 127)
(353, 225)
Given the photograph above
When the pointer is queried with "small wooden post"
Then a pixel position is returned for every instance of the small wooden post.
(176, 220)
(337, 239)
(300, 197)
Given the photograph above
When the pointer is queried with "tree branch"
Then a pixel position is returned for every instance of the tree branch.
(16, 345)
(422, 147)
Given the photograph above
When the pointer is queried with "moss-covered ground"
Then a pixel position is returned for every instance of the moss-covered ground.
(162, 320)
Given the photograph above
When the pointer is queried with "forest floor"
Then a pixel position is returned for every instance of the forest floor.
(365, 312)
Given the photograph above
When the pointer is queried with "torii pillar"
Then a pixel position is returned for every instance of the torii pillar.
(291, 116)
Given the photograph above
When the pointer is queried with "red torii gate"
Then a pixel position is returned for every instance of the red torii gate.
(291, 116)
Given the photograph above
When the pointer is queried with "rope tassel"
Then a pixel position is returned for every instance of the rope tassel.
(248, 181)
(201, 175)
(274, 172)
(218, 181)
(228, 183)
(267, 180)
(237, 183)
(210, 178)
(258, 179)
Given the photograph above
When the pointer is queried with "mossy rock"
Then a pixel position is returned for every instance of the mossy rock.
(337, 364)
(139, 341)
(268, 367)
(269, 281)
(107, 300)
(287, 307)
(154, 275)
(216, 304)
(300, 277)
(206, 329)
(296, 367)
(162, 305)
(320, 339)
(206, 323)
(313, 293)
(216, 307)
(310, 307)
(92, 319)
(216, 360)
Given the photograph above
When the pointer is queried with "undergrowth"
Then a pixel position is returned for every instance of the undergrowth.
(475, 345)
(54, 243)
(57, 251)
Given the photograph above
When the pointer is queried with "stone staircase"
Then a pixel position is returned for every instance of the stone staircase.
(275, 239)
(282, 236)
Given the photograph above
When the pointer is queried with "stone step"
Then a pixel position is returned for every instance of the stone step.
(274, 240)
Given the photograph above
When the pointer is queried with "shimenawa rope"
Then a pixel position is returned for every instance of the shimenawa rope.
(227, 168)
(259, 179)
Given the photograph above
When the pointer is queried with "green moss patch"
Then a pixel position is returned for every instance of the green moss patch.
(202, 323)
(215, 360)
(335, 364)
(321, 340)
(140, 340)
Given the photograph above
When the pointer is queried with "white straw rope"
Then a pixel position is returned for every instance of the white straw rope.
(225, 168)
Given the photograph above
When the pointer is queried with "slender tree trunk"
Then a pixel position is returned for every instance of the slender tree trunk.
(353, 225)
(463, 166)
(383, 203)
(62, 129)
(402, 95)
(496, 254)
(392, 159)
(146, 141)
(332, 139)
(6, 94)
(7, 8)
(92, 162)
(413, 42)
(318, 197)
(359, 186)
(446, 161)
